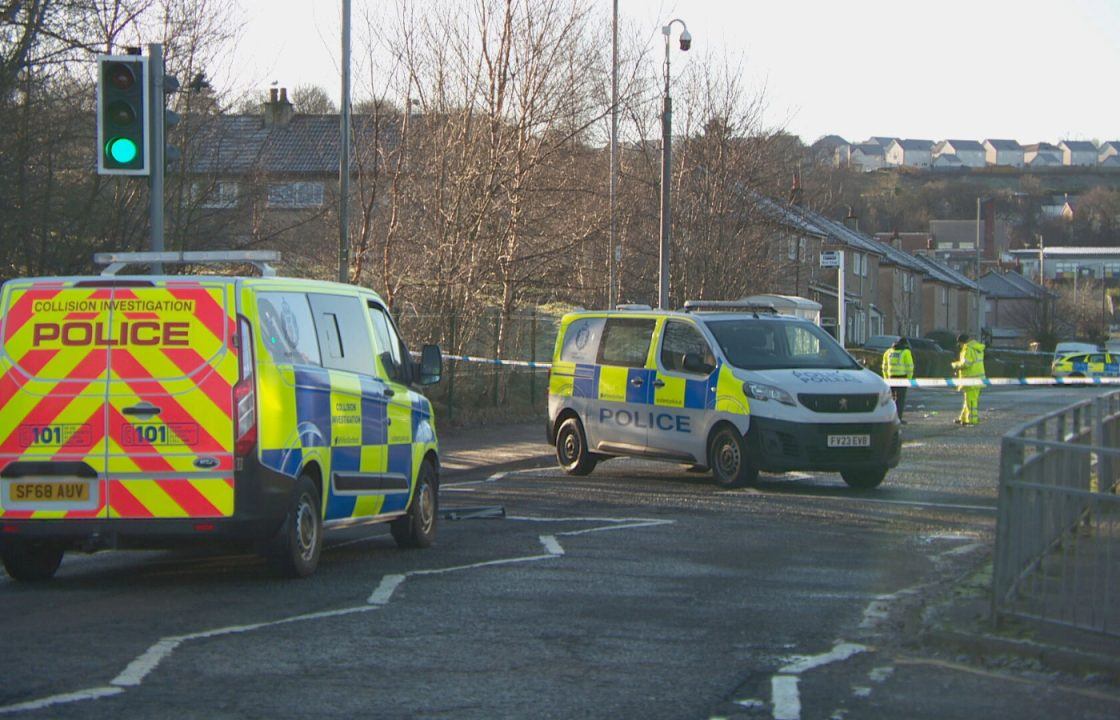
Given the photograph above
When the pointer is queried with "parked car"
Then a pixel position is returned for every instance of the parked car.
(1082, 364)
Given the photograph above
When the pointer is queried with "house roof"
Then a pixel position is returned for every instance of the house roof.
(1078, 145)
(868, 149)
(947, 160)
(1011, 285)
(881, 141)
(307, 144)
(830, 141)
(959, 145)
(1045, 158)
(1111, 161)
(1041, 146)
(1004, 144)
(912, 144)
(943, 273)
(1075, 251)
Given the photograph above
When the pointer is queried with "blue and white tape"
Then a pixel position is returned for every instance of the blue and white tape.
(997, 382)
(893, 382)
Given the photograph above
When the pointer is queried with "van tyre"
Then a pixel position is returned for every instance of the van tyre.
(417, 529)
(571, 448)
(32, 560)
(727, 457)
(864, 479)
(295, 549)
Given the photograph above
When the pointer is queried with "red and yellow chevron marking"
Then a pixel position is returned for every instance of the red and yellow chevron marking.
(192, 384)
(68, 349)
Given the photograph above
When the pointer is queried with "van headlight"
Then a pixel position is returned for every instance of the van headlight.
(758, 391)
(885, 397)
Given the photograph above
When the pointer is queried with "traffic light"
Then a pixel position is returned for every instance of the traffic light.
(123, 121)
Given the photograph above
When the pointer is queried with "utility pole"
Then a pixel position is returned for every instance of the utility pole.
(613, 238)
(666, 163)
(156, 149)
(344, 153)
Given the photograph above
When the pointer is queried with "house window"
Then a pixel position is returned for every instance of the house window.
(295, 195)
(1065, 270)
(944, 296)
(222, 194)
(791, 248)
(1112, 270)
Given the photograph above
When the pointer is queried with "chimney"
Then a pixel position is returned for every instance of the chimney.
(795, 190)
(852, 220)
(277, 112)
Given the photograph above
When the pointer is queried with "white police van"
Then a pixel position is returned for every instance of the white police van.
(726, 386)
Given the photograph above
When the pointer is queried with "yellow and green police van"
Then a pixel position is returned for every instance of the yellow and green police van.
(725, 386)
(147, 411)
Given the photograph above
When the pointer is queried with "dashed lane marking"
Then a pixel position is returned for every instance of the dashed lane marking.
(148, 661)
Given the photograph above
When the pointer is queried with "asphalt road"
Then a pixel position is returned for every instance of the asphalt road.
(641, 590)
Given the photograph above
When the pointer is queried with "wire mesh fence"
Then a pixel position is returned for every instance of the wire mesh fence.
(1057, 555)
(488, 387)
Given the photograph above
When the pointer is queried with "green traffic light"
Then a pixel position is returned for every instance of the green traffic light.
(122, 150)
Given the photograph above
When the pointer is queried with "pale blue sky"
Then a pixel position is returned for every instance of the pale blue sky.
(1027, 69)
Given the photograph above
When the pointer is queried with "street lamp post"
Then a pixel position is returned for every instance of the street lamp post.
(666, 161)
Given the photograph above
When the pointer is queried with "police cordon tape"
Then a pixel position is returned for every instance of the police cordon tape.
(893, 382)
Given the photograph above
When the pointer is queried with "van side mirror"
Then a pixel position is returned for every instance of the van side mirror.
(693, 363)
(431, 365)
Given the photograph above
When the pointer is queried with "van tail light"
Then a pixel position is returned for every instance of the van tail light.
(244, 392)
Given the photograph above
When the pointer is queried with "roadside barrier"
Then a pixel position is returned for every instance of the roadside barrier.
(893, 382)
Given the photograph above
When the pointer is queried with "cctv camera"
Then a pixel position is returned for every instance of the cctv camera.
(686, 41)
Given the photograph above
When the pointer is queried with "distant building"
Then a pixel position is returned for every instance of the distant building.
(1012, 307)
(969, 152)
(1112, 161)
(1042, 155)
(1003, 152)
(1078, 153)
(1059, 206)
(831, 149)
(1108, 149)
(947, 161)
(881, 141)
(1067, 263)
(866, 157)
(910, 153)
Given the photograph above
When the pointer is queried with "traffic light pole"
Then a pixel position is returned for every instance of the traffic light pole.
(156, 149)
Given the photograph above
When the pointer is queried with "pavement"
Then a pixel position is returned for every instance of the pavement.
(958, 620)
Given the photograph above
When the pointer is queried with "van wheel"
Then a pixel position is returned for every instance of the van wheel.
(296, 547)
(571, 449)
(864, 479)
(32, 560)
(727, 457)
(417, 529)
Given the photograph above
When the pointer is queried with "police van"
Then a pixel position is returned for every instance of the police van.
(145, 411)
(725, 386)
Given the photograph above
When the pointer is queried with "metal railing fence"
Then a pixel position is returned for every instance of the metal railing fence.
(1057, 553)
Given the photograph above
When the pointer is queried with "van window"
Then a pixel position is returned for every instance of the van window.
(626, 342)
(779, 344)
(581, 340)
(385, 335)
(286, 328)
(680, 338)
(343, 334)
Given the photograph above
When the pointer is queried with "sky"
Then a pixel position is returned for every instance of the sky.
(1030, 70)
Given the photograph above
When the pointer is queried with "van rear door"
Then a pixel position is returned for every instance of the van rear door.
(53, 376)
(172, 367)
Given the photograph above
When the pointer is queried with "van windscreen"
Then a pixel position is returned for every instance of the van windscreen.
(779, 345)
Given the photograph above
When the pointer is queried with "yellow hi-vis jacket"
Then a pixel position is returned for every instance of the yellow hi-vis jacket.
(898, 363)
(971, 361)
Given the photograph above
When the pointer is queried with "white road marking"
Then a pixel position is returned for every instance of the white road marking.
(861, 691)
(453, 488)
(916, 503)
(785, 698)
(345, 543)
(142, 666)
(91, 694)
(803, 663)
(751, 704)
(492, 478)
(880, 674)
(783, 686)
(384, 591)
(551, 545)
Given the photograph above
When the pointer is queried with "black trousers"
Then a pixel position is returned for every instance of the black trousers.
(899, 394)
